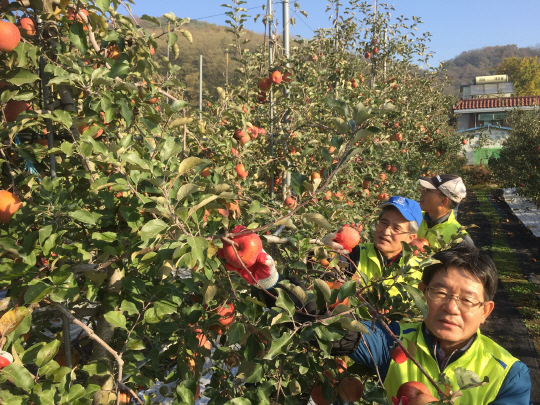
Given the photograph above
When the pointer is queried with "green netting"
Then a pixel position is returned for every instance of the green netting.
(481, 156)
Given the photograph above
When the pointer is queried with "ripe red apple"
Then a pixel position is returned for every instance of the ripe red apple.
(393, 169)
(383, 197)
(5, 359)
(276, 77)
(14, 108)
(354, 84)
(317, 395)
(290, 202)
(287, 77)
(226, 313)
(366, 184)
(398, 136)
(9, 36)
(351, 389)
(349, 236)
(376, 50)
(245, 139)
(367, 55)
(374, 41)
(315, 175)
(382, 176)
(419, 243)
(28, 25)
(265, 84)
(239, 133)
(241, 171)
(399, 356)
(249, 247)
(423, 399)
(464, 142)
(412, 389)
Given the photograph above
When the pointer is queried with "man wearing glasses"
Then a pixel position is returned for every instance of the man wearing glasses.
(399, 221)
(459, 290)
(439, 196)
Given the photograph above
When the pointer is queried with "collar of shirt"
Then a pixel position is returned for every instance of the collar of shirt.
(434, 346)
(432, 222)
(385, 262)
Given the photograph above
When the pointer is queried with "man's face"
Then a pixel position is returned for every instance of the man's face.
(452, 324)
(431, 199)
(391, 230)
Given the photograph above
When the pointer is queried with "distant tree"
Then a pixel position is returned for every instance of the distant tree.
(524, 72)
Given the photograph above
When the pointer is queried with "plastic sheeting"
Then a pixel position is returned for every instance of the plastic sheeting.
(524, 208)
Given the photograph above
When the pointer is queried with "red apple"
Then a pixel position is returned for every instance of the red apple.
(276, 77)
(239, 133)
(419, 243)
(265, 84)
(399, 356)
(464, 142)
(5, 359)
(367, 55)
(354, 84)
(348, 236)
(249, 247)
(423, 399)
(398, 136)
(290, 202)
(412, 389)
(374, 41)
(375, 50)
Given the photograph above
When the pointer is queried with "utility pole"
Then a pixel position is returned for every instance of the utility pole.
(271, 95)
(227, 67)
(200, 86)
(286, 117)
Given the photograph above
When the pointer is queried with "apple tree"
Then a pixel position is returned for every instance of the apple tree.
(128, 195)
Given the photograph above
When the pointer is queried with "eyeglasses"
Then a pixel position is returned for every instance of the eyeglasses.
(466, 304)
(394, 229)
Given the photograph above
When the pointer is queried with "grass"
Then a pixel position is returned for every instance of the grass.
(522, 293)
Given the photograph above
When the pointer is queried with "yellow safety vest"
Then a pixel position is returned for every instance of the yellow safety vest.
(370, 265)
(446, 229)
(484, 357)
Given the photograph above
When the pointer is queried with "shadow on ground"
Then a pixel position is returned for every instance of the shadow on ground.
(505, 325)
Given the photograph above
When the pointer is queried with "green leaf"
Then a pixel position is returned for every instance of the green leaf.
(116, 319)
(171, 147)
(318, 219)
(185, 190)
(361, 134)
(236, 333)
(154, 20)
(189, 163)
(467, 379)
(247, 369)
(77, 36)
(287, 222)
(75, 392)
(201, 204)
(19, 76)
(418, 298)
(279, 346)
(36, 292)
(83, 216)
(103, 5)
(135, 159)
(208, 291)
(285, 302)
(64, 118)
(323, 288)
(152, 228)
(19, 376)
(353, 325)
(338, 105)
(348, 289)
(47, 352)
(180, 121)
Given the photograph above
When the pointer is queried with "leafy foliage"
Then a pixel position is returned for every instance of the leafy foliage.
(126, 207)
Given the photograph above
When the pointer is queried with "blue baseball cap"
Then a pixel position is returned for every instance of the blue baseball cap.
(410, 209)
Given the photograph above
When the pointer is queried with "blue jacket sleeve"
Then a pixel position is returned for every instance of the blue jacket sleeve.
(516, 387)
(378, 343)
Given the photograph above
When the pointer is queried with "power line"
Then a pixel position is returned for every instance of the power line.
(217, 15)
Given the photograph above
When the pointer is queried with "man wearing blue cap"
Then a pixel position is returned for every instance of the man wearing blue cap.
(399, 221)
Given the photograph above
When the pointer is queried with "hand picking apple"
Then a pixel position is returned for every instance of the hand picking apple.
(263, 272)
(346, 238)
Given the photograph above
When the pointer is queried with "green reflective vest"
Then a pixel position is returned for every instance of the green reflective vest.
(484, 357)
(446, 229)
(370, 265)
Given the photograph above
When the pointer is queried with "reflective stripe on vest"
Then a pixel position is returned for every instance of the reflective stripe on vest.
(484, 357)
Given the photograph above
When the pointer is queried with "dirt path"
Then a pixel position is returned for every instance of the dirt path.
(505, 325)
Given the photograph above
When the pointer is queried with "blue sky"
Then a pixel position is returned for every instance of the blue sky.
(456, 26)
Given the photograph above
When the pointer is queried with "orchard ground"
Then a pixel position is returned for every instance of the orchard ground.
(515, 321)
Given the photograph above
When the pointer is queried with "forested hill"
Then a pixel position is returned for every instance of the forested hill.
(213, 42)
(482, 62)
